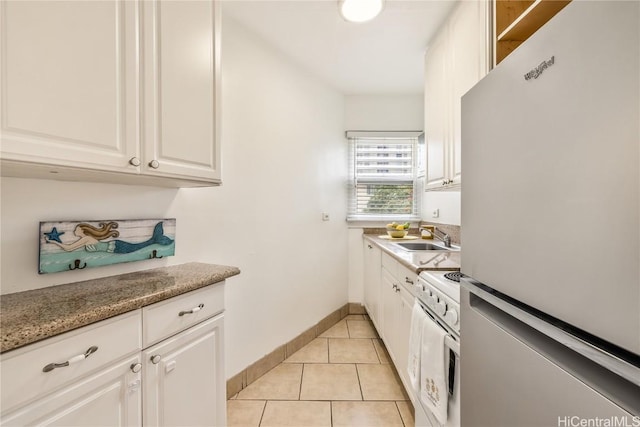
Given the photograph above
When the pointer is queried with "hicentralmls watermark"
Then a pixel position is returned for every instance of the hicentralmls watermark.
(617, 421)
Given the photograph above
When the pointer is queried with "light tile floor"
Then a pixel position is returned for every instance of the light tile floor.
(342, 378)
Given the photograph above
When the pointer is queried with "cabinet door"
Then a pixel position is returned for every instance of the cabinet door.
(372, 263)
(405, 306)
(184, 381)
(389, 306)
(468, 40)
(111, 397)
(436, 107)
(182, 88)
(69, 90)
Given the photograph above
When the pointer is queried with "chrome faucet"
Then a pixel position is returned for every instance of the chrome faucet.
(445, 237)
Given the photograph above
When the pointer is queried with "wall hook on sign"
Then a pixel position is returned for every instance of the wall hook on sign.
(76, 265)
(154, 255)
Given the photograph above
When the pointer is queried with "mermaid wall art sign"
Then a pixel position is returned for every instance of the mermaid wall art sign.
(76, 245)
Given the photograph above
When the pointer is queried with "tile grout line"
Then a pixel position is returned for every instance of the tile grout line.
(301, 378)
(373, 342)
(264, 409)
(359, 383)
(400, 414)
(331, 411)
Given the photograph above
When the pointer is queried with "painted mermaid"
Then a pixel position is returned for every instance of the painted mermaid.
(90, 238)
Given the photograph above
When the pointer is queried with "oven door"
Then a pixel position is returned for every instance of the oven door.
(423, 416)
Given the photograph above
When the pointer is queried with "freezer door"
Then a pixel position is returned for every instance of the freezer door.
(551, 195)
(513, 376)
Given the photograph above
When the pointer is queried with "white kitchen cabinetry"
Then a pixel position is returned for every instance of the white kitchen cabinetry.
(389, 318)
(121, 381)
(457, 58)
(372, 265)
(182, 89)
(184, 378)
(397, 303)
(111, 397)
(99, 389)
(111, 91)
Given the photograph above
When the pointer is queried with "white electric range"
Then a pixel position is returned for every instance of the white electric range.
(439, 295)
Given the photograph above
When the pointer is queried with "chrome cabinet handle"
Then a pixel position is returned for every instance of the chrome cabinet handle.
(134, 161)
(193, 310)
(155, 359)
(154, 164)
(51, 366)
(407, 280)
(397, 288)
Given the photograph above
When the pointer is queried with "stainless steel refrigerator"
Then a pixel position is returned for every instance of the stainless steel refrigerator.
(550, 311)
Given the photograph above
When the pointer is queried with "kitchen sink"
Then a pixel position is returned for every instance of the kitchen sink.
(421, 246)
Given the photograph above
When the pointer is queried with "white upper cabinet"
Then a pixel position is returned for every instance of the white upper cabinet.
(95, 87)
(181, 89)
(68, 83)
(436, 112)
(456, 60)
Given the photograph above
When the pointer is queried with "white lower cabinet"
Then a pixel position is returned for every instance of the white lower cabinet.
(184, 378)
(113, 379)
(403, 330)
(389, 313)
(372, 263)
(110, 397)
(393, 318)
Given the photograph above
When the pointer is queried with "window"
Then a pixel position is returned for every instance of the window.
(384, 172)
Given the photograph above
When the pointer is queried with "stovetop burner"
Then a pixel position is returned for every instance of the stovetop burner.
(454, 276)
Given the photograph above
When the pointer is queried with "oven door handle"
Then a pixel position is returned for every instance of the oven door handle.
(452, 344)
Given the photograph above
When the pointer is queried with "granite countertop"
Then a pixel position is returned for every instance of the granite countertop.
(27, 317)
(418, 261)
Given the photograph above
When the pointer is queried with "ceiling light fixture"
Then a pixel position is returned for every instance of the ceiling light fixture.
(360, 10)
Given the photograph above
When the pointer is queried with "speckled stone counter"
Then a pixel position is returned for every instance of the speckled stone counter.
(27, 317)
(418, 261)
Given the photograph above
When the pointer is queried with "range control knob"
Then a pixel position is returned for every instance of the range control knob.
(451, 316)
(441, 308)
(432, 300)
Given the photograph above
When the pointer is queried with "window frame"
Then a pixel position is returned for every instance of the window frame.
(416, 138)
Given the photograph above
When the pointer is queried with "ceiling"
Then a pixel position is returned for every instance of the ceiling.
(382, 56)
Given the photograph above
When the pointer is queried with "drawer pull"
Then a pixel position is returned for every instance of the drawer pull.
(407, 280)
(51, 366)
(193, 310)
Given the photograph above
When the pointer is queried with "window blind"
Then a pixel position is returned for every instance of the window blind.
(383, 177)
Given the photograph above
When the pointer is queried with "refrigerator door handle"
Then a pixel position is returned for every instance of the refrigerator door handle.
(594, 353)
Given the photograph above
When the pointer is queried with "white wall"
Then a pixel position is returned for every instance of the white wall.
(283, 164)
(376, 113)
(448, 204)
(384, 112)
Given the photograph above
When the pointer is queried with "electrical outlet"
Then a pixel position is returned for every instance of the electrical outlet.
(435, 213)
(325, 216)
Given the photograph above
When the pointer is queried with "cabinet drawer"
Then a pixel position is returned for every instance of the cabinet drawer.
(23, 378)
(166, 318)
(408, 279)
(390, 264)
